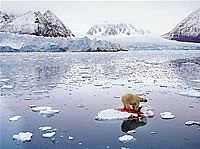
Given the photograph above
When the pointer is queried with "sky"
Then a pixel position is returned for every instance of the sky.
(158, 17)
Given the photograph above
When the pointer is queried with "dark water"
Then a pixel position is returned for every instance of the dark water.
(93, 80)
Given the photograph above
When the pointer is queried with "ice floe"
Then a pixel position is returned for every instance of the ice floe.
(4, 80)
(48, 135)
(189, 123)
(38, 109)
(15, 118)
(71, 138)
(131, 131)
(45, 128)
(148, 111)
(112, 114)
(126, 138)
(190, 93)
(49, 112)
(167, 115)
(7, 87)
(23, 136)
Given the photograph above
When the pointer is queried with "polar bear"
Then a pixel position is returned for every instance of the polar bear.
(132, 102)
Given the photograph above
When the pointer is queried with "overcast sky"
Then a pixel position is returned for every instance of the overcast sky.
(158, 16)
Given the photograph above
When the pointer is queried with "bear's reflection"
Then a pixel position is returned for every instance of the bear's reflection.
(128, 125)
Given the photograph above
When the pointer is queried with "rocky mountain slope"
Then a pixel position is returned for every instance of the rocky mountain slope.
(187, 30)
(34, 23)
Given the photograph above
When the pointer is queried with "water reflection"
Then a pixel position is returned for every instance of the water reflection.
(129, 125)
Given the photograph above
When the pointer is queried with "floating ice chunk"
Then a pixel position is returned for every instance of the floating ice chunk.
(4, 80)
(32, 106)
(98, 84)
(80, 143)
(38, 109)
(15, 118)
(126, 138)
(188, 123)
(197, 81)
(71, 138)
(125, 148)
(49, 112)
(190, 93)
(23, 136)
(152, 132)
(112, 114)
(45, 128)
(148, 111)
(167, 115)
(49, 135)
(131, 131)
(7, 87)
(80, 106)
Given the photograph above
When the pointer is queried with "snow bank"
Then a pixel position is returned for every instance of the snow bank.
(23, 136)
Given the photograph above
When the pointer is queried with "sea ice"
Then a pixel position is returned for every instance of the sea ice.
(71, 138)
(15, 118)
(188, 123)
(23, 136)
(148, 111)
(190, 93)
(48, 135)
(4, 80)
(7, 87)
(167, 115)
(38, 109)
(44, 128)
(49, 112)
(126, 138)
(112, 114)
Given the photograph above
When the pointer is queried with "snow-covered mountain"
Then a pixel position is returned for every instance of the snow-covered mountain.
(187, 30)
(34, 23)
(10, 42)
(115, 29)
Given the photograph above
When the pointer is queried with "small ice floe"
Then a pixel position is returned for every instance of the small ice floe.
(148, 111)
(48, 135)
(23, 136)
(167, 115)
(80, 143)
(45, 128)
(117, 97)
(190, 93)
(126, 138)
(152, 132)
(40, 91)
(189, 123)
(131, 131)
(4, 80)
(125, 148)
(49, 112)
(112, 114)
(38, 109)
(15, 118)
(98, 84)
(197, 81)
(7, 87)
(71, 138)
(32, 106)
(80, 106)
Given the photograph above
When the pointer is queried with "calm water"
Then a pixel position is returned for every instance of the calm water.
(93, 80)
